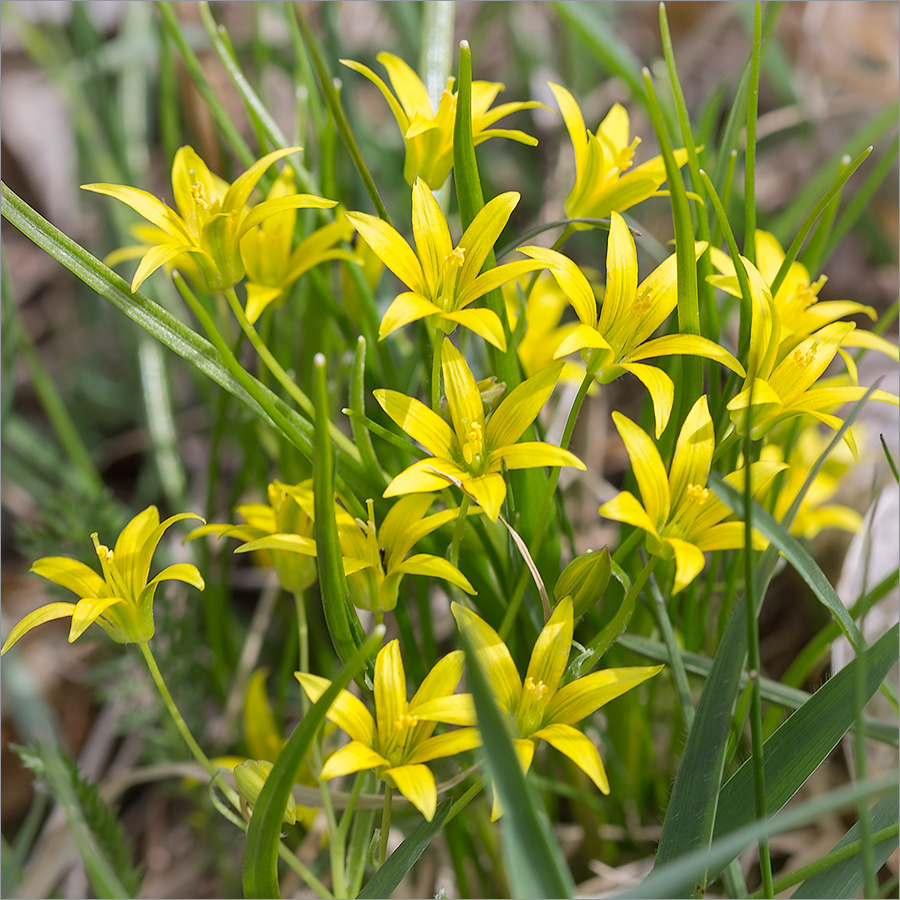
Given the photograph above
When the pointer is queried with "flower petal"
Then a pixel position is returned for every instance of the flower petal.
(548, 660)
(294, 543)
(689, 562)
(441, 681)
(493, 655)
(156, 257)
(416, 783)
(572, 743)
(425, 475)
(693, 451)
(662, 392)
(484, 322)
(581, 337)
(45, 614)
(649, 471)
(87, 611)
(390, 691)
(463, 397)
(457, 709)
(432, 236)
(238, 193)
(489, 491)
(571, 281)
(145, 204)
(185, 572)
(352, 757)
(534, 454)
(624, 507)
(689, 345)
(479, 238)
(524, 748)
(578, 699)
(398, 111)
(521, 407)
(621, 278)
(458, 741)
(269, 208)
(347, 711)
(71, 574)
(434, 567)
(494, 278)
(420, 422)
(390, 247)
(405, 308)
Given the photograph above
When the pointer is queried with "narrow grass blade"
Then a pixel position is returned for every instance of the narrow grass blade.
(803, 742)
(259, 868)
(385, 881)
(846, 878)
(535, 864)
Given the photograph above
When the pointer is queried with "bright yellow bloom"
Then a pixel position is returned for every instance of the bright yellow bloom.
(471, 454)
(212, 217)
(539, 708)
(400, 739)
(796, 302)
(780, 385)
(428, 135)
(815, 512)
(603, 183)
(272, 267)
(442, 279)
(121, 601)
(289, 515)
(680, 514)
(629, 315)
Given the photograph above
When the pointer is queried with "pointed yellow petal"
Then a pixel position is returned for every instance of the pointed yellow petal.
(434, 567)
(686, 344)
(533, 455)
(269, 208)
(398, 111)
(494, 278)
(390, 691)
(238, 193)
(155, 258)
(293, 543)
(769, 255)
(521, 407)
(458, 741)
(407, 85)
(185, 572)
(581, 337)
(571, 281)
(693, 451)
(662, 392)
(578, 699)
(457, 709)
(405, 308)
(390, 247)
(71, 574)
(484, 322)
(145, 204)
(432, 236)
(463, 397)
(649, 471)
(87, 611)
(420, 422)
(45, 614)
(622, 272)
(624, 507)
(441, 681)
(728, 536)
(493, 655)
(573, 119)
(579, 749)
(524, 748)
(424, 476)
(549, 658)
(479, 238)
(489, 491)
(416, 783)
(347, 711)
(259, 296)
(689, 562)
(404, 517)
(353, 757)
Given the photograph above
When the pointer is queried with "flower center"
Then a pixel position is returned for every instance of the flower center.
(538, 688)
(805, 358)
(642, 303)
(473, 448)
(456, 257)
(697, 493)
(405, 721)
(198, 192)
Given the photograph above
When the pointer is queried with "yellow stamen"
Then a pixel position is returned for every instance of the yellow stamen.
(198, 192)
(804, 359)
(697, 493)
(405, 721)
(456, 257)
(536, 687)
(642, 303)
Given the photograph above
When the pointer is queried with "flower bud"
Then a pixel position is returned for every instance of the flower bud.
(250, 776)
(584, 579)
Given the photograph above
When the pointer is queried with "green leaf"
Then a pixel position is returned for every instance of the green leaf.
(259, 868)
(535, 864)
(385, 881)
(803, 742)
(846, 879)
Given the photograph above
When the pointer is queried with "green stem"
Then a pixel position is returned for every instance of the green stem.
(458, 529)
(303, 640)
(750, 147)
(436, 372)
(385, 823)
(281, 376)
(679, 673)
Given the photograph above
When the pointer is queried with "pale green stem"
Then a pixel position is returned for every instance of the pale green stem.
(385, 823)
(304, 873)
(335, 842)
(461, 517)
(303, 640)
(750, 151)
(436, 372)
(282, 377)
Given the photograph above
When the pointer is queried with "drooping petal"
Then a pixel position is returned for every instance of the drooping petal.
(416, 783)
(420, 422)
(458, 741)
(269, 208)
(157, 257)
(489, 491)
(484, 322)
(353, 757)
(71, 574)
(185, 572)
(649, 471)
(139, 564)
(689, 345)
(293, 543)
(425, 475)
(434, 567)
(347, 711)
(524, 749)
(405, 308)
(571, 281)
(662, 393)
(578, 699)
(399, 113)
(37, 617)
(390, 692)
(463, 397)
(581, 337)
(493, 655)
(689, 562)
(391, 248)
(572, 743)
(534, 454)
(87, 611)
(521, 407)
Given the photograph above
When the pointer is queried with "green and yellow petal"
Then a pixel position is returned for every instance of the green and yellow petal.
(572, 743)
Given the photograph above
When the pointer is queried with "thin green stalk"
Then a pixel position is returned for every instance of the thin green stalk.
(336, 846)
(385, 824)
(403, 444)
(750, 147)
(282, 377)
(754, 674)
(458, 529)
(436, 371)
(302, 634)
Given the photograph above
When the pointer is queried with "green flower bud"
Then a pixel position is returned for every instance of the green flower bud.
(250, 776)
(584, 580)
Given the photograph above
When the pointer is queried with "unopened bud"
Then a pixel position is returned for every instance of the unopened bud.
(584, 580)
(250, 776)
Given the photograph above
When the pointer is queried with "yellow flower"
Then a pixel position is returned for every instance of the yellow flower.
(289, 515)
(272, 267)
(212, 216)
(428, 135)
(471, 454)
(400, 739)
(539, 708)
(780, 379)
(442, 279)
(678, 511)
(121, 601)
(796, 302)
(629, 315)
(603, 183)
